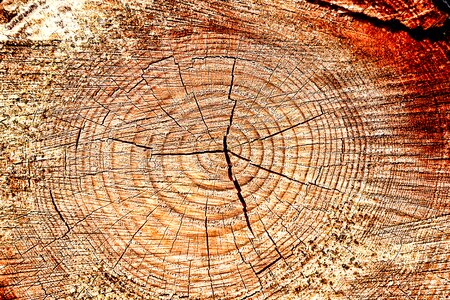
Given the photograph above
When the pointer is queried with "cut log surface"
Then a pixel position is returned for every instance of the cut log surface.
(224, 150)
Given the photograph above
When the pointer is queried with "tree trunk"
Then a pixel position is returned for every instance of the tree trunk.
(227, 149)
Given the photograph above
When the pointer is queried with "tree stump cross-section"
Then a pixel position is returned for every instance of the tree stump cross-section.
(191, 169)
(177, 150)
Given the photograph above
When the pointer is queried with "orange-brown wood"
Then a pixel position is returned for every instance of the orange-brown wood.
(223, 150)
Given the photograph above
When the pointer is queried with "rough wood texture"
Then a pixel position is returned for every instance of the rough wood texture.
(424, 14)
(258, 149)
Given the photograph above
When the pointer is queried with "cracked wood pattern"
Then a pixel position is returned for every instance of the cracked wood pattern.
(223, 150)
(423, 14)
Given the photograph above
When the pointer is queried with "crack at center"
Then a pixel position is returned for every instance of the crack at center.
(236, 183)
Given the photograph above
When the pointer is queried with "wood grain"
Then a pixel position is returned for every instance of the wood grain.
(223, 150)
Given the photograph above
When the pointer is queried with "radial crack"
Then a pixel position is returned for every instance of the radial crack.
(269, 265)
(242, 257)
(283, 130)
(231, 117)
(77, 141)
(134, 235)
(201, 115)
(155, 62)
(59, 213)
(232, 79)
(187, 153)
(166, 112)
(196, 102)
(236, 183)
(265, 169)
(132, 143)
(170, 116)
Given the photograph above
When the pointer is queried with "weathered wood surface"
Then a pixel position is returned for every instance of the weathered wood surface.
(424, 14)
(257, 149)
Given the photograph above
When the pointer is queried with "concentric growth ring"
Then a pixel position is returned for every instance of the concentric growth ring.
(201, 168)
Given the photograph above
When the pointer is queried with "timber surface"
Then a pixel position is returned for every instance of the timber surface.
(223, 150)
